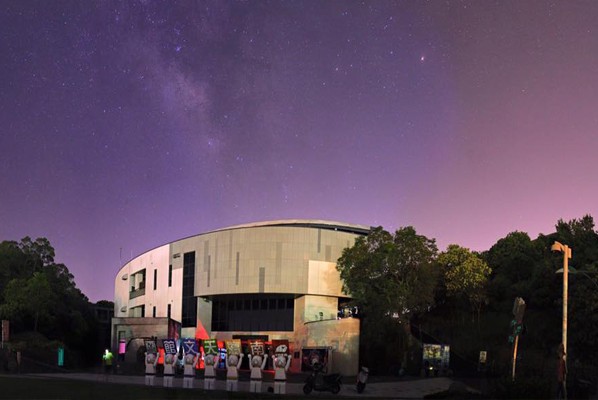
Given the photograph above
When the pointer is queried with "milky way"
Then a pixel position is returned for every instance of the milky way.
(126, 125)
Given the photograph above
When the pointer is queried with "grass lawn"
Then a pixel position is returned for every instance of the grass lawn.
(19, 387)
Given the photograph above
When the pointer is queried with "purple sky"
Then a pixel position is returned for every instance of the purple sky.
(127, 125)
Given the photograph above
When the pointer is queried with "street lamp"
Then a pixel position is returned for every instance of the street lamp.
(574, 271)
(563, 248)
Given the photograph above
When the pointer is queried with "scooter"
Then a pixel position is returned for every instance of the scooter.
(322, 383)
(362, 378)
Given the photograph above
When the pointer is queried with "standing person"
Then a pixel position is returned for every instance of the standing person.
(107, 360)
(169, 360)
(211, 356)
(189, 371)
(151, 360)
(233, 362)
(561, 391)
(282, 361)
(257, 363)
(170, 353)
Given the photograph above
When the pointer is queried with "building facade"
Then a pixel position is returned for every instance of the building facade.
(273, 280)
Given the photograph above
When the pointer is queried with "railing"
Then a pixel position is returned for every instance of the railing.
(136, 293)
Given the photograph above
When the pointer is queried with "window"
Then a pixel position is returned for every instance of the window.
(154, 312)
(255, 312)
(155, 279)
(189, 304)
(170, 275)
(168, 310)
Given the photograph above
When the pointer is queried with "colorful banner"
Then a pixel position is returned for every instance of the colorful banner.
(210, 346)
(233, 347)
(169, 346)
(257, 347)
(151, 347)
(436, 355)
(174, 329)
(190, 346)
(280, 346)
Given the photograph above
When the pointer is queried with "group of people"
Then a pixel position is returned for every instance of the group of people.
(281, 360)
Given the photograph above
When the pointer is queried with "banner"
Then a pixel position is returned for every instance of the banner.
(210, 346)
(280, 346)
(169, 346)
(233, 347)
(151, 347)
(436, 356)
(257, 347)
(190, 346)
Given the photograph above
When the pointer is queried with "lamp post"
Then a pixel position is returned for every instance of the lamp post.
(573, 271)
(563, 248)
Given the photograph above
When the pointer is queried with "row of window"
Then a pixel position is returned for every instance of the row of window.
(139, 311)
(255, 312)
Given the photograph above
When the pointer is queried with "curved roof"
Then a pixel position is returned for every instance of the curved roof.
(308, 223)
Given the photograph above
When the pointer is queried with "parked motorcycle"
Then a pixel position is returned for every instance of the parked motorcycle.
(322, 383)
(362, 378)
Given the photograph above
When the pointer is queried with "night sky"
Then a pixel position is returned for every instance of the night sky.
(127, 125)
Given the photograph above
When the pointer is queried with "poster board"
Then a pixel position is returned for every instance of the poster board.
(190, 346)
(233, 347)
(436, 356)
(257, 347)
(169, 346)
(151, 347)
(280, 346)
(210, 346)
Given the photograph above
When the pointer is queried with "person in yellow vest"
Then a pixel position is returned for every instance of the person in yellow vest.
(107, 359)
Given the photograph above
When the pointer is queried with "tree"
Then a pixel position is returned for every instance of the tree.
(40, 295)
(465, 276)
(514, 260)
(391, 278)
(28, 299)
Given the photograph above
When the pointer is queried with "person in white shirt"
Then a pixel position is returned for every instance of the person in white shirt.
(151, 360)
(189, 370)
(232, 376)
(168, 369)
(282, 362)
(257, 364)
(209, 372)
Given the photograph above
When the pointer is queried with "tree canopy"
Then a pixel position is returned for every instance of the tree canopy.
(465, 275)
(41, 296)
(400, 278)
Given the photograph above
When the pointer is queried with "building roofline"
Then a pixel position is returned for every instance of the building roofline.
(308, 223)
(305, 223)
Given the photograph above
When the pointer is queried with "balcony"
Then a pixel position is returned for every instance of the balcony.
(136, 292)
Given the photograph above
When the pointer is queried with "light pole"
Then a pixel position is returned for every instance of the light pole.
(563, 248)
(574, 271)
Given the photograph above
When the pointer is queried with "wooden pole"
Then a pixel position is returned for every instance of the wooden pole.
(515, 356)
